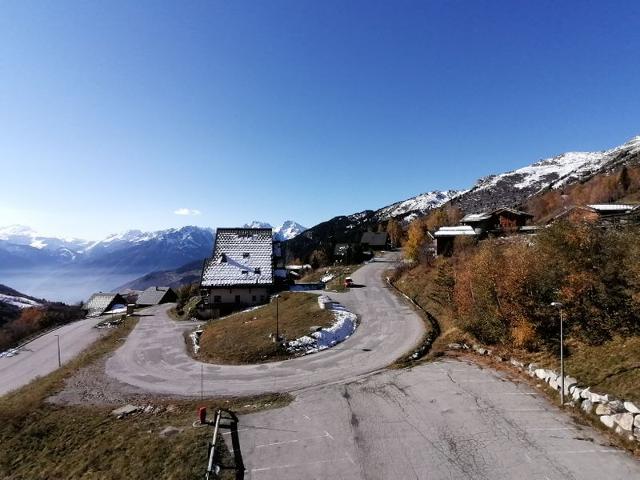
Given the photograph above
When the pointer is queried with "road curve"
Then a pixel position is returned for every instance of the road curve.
(39, 357)
(154, 357)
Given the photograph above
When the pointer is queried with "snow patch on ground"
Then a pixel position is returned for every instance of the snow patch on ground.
(344, 325)
(327, 278)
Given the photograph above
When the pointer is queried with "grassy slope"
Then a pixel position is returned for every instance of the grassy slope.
(613, 367)
(41, 440)
(417, 283)
(244, 337)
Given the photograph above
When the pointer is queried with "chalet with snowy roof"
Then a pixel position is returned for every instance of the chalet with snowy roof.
(480, 225)
(446, 236)
(103, 303)
(502, 220)
(156, 296)
(607, 214)
(241, 271)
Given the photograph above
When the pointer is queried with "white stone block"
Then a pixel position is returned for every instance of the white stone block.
(608, 420)
(631, 407)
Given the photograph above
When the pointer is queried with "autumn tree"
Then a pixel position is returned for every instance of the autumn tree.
(395, 232)
(416, 238)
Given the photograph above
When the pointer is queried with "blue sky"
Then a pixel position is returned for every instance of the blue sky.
(116, 114)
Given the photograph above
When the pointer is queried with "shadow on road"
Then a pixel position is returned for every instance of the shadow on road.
(237, 464)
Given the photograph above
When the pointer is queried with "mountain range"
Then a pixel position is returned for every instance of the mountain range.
(164, 251)
(133, 250)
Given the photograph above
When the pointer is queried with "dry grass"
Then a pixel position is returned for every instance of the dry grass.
(244, 338)
(45, 441)
(339, 272)
(613, 367)
(418, 284)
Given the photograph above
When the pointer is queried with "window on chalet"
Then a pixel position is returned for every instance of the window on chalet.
(245, 255)
(256, 270)
(217, 299)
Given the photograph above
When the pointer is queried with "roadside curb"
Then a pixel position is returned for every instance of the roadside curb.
(431, 335)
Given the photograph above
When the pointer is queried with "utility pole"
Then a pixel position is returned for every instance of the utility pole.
(59, 361)
(559, 306)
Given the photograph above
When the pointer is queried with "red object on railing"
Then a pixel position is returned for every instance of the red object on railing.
(202, 415)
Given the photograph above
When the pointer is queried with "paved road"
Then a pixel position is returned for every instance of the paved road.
(444, 420)
(40, 356)
(154, 358)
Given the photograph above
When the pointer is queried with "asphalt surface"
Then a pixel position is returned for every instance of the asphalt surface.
(40, 356)
(443, 420)
(154, 357)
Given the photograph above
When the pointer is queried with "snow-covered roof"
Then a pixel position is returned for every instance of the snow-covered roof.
(476, 217)
(611, 207)
(456, 231)
(155, 296)
(100, 302)
(241, 256)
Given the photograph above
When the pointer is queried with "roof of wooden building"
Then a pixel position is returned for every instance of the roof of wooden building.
(375, 239)
(98, 303)
(154, 295)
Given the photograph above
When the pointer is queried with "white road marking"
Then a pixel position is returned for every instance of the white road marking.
(306, 417)
(295, 440)
(292, 465)
(525, 410)
(550, 428)
(590, 451)
(237, 431)
(350, 459)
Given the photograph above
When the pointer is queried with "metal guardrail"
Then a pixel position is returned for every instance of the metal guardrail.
(212, 469)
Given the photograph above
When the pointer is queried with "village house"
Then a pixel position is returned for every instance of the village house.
(501, 221)
(156, 296)
(375, 240)
(608, 214)
(103, 303)
(241, 272)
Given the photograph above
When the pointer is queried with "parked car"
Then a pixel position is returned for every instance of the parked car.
(348, 282)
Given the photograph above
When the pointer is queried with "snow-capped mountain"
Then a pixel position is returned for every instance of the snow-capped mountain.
(286, 231)
(21, 247)
(418, 205)
(26, 242)
(514, 187)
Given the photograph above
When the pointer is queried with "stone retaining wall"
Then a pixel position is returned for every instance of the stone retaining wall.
(623, 417)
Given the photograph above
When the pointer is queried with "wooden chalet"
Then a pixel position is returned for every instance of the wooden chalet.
(156, 296)
(500, 221)
(375, 240)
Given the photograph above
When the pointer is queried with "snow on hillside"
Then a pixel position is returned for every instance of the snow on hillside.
(420, 203)
(559, 170)
(19, 302)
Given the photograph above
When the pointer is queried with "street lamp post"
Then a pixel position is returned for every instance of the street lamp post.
(277, 318)
(559, 306)
(58, 339)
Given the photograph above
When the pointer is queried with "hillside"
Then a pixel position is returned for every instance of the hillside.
(12, 302)
(184, 275)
